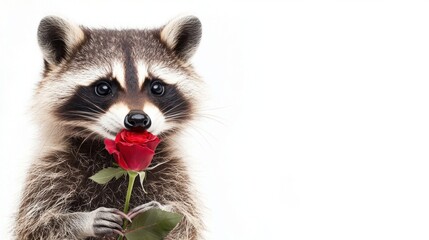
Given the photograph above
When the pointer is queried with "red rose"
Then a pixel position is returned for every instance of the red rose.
(132, 150)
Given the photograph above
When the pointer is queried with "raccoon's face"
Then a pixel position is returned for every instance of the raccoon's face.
(97, 82)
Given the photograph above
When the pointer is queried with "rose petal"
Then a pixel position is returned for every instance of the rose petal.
(135, 137)
(137, 157)
(120, 160)
(119, 136)
(110, 145)
(153, 143)
(127, 144)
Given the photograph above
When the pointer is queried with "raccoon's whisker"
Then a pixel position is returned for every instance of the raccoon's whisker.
(79, 133)
(114, 118)
(83, 112)
(88, 101)
(212, 117)
(164, 160)
(106, 130)
(85, 117)
(196, 116)
(115, 125)
(195, 128)
(204, 108)
(83, 132)
(182, 113)
(167, 139)
(172, 107)
(111, 130)
(93, 111)
(74, 124)
(92, 144)
(198, 130)
(158, 164)
(110, 117)
(178, 115)
(96, 120)
(160, 156)
(89, 135)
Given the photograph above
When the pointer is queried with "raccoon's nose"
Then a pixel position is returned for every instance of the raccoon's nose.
(137, 120)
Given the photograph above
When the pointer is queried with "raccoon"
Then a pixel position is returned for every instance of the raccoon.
(95, 83)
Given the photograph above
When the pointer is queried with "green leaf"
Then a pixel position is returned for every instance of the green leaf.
(105, 175)
(154, 224)
(142, 176)
(121, 172)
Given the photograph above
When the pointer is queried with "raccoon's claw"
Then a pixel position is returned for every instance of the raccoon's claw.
(144, 207)
(107, 222)
(122, 215)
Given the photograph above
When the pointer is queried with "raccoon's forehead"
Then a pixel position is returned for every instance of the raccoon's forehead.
(126, 55)
(139, 44)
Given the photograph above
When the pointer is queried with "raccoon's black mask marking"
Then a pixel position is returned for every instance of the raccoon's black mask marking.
(85, 104)
(172, 103)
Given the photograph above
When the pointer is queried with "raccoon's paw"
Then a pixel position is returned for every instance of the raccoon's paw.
(105, 222)
(144, 207)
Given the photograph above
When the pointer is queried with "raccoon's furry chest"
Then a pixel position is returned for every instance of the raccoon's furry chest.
(85, 159)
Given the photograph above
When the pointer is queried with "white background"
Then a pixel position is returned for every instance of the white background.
(323, 111)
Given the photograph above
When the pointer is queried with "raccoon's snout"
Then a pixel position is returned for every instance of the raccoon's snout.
(137, 120)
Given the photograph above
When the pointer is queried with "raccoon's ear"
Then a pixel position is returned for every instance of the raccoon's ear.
(58, 38)
(182, 35)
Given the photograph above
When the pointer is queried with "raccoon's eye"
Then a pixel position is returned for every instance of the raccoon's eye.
(157, 88)
(103, 89)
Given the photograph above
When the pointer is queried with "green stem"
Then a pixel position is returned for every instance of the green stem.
(131, 178)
